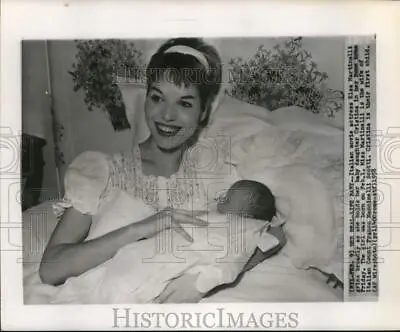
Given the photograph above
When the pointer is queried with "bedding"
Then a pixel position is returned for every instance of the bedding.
(274, 280)
(302, 163)
(133, 276)
(277, 280)
(300, 158)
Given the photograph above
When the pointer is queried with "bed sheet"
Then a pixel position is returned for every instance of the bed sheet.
(274, 280)
(277, 280)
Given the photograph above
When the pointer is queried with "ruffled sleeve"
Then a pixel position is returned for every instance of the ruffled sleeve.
(85, 182)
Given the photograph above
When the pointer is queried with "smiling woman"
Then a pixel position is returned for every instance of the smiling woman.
(183, 79)
(188, 62)
(172, 113)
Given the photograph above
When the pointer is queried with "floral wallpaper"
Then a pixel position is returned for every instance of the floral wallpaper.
(284, 75)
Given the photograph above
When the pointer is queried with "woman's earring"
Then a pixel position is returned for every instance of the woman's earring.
(205, 111)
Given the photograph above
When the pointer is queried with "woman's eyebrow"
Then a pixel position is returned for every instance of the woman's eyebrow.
(156, 89)
(188, 97)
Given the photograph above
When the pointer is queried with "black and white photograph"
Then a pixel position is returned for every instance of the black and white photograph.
(183, 170)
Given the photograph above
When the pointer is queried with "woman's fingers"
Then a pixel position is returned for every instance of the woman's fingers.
(192, 221)
(198, 212)
(179, 229)
(198, 222)
(188, 218)
(190, 213)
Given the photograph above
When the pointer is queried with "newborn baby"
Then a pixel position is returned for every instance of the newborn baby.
(140, 271)
(248, 198)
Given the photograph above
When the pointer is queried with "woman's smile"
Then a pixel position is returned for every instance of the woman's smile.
(173, 113)
(167, 130)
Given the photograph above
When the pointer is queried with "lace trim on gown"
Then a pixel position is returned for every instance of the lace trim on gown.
(182, 190)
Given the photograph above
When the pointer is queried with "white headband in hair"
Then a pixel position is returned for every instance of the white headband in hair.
(191, 51)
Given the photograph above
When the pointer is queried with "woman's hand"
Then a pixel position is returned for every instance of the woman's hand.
(181, 290)
(169, 218)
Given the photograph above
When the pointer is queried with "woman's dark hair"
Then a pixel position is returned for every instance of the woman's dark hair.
(187, 69)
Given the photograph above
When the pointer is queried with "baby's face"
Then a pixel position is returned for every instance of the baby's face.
(235, 201)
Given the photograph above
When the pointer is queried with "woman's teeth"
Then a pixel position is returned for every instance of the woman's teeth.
(165, 130)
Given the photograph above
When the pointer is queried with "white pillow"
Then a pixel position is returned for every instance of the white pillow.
(238, 122)
(298, 118)
(291, 151)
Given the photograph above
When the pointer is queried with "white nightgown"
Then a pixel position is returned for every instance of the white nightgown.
(116, 192)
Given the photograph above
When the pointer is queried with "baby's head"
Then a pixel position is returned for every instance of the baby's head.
(251, 198)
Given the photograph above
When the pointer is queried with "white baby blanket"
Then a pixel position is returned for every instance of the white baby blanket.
(140, 271)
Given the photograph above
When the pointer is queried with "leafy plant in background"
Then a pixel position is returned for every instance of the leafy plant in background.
(284, 76)
(94, 71)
